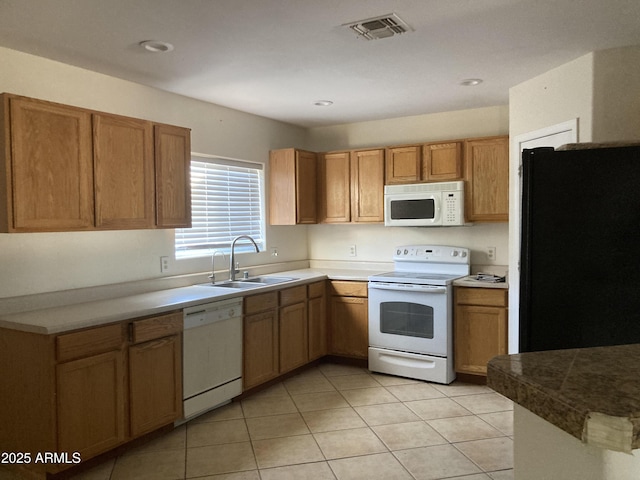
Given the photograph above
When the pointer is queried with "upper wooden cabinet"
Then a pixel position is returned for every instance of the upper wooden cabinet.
(403, 164)
(431, 162)
(351, 186)
(123, 172)
(68, 168)
(334, 173)
(292, 187)
(173, 176)
(486, 163)
(46, 163)
(442, 162)
(367, 185)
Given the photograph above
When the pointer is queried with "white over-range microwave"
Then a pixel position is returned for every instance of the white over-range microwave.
(424, 204)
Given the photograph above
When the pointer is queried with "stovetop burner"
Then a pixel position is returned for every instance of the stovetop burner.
(426, 265)
(414, 277)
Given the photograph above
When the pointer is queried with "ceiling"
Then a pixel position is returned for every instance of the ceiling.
(276, 58)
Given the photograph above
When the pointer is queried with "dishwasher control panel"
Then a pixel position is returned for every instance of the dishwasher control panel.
(212, 312)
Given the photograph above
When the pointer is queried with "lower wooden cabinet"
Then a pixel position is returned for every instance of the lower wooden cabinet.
(260, 339)
(90, 390)
(480, 326)
(349, 319)
(283, 330)
(91, 400)
(294, 330)
(155, 368)
(317, 316)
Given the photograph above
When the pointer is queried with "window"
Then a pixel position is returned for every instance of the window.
(226, 201)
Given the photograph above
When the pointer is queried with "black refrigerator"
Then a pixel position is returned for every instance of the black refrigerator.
(580, 248)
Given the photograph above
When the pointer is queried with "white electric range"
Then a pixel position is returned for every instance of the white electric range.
(410, 313)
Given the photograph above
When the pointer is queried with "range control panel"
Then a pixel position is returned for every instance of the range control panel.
(431, 253)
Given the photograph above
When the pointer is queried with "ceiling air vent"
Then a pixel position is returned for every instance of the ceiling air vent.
(379, 27)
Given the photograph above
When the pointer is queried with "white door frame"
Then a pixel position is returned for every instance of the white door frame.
(553, 136)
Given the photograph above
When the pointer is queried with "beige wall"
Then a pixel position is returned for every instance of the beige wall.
(34, 263)
(477, 122)
(557, 96)
(616, 95)
(374, 242)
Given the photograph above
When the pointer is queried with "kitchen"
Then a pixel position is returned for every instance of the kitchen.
(83, 260)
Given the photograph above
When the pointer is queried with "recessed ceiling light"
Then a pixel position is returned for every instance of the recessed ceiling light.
(471, 82)
(323, 103)
(156, 46)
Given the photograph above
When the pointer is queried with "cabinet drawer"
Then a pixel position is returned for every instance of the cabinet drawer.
(156, 327)
(89, 342)
(349, 289)
(292, 295)
(481, 296)
(316, 289)
(260, 303)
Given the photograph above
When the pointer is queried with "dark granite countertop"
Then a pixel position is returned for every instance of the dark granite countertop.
(590, 393)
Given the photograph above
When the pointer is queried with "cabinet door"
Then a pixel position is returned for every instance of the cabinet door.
(480, 334)
(294, 336)
(124, 172)
(306, 185)
(292, 187)
(91, 404)
(367, 186)
(402, 164)
(317, 316)
(348, 327)
(260, 348)
(50, 172)
(487, 179)
(442, 162)
(334, 188)
(155, 384)
(173, 177)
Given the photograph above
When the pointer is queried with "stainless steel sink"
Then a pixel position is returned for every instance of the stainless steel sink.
(240, 284)
(251, 282)
(267, 279)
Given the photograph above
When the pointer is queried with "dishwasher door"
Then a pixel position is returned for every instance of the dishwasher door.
(212, 355)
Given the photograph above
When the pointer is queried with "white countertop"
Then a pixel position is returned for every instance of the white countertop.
(470, 281)
(89, 314)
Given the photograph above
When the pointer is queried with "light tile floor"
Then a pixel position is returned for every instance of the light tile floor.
(336, 422)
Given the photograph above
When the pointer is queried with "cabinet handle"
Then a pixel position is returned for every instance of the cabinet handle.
(153, 344)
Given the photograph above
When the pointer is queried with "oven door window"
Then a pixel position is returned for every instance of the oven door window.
(422, 209)
(405, 318)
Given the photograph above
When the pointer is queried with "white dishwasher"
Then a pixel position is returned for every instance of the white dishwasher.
(212, 355)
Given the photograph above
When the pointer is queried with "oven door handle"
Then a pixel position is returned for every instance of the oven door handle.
(407, 287)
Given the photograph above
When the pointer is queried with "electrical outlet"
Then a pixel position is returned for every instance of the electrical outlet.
(164, 264)
(491, 253)
(352, 251)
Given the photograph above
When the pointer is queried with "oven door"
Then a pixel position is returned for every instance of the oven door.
(410, 318)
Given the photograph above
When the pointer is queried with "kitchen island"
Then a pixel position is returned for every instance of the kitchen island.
(577, 412)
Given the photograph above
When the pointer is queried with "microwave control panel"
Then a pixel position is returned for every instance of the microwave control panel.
(452, 208)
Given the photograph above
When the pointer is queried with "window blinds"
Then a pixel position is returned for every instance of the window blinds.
(226, 201)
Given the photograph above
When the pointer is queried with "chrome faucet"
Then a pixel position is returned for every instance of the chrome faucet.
(213, 265)
(232, 260)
